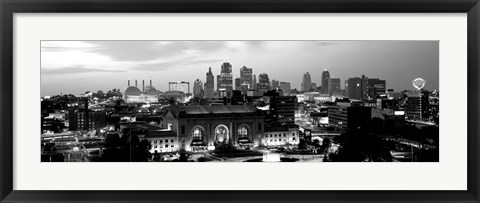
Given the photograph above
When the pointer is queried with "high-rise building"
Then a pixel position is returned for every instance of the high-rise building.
(255, 82)
(225, 80)
(282, 109)
(246, 79)
(263, 82)
(376, 87)
(179, 86)
(306, 82)
(325, 77)
(357, 87)
(198, 88)
(333, 86)
(275, 84)
(209, 85)
(314, 86)
(346, 115)
(286, 88)
(418, 105)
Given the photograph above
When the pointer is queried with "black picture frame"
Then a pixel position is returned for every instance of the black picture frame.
(10, 7)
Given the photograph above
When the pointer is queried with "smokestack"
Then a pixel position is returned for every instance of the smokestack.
(143, 85)
(150, 81)
(128, 83)
(135, 83)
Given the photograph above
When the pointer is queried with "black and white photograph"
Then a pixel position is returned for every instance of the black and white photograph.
(239, 101)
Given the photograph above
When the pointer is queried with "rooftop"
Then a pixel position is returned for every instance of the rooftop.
(160, 134)
(196, 110)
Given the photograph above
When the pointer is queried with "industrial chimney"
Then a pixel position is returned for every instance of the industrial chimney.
(150, 81)
(135, 83)
(143, 85)
(128, 83)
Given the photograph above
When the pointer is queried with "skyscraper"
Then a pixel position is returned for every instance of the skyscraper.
(263, 82)
(198, 88)
(246, 79)
(275, 84)
(306, 82)
(254, 82)
(225, 78)
(286, 88)
(325, 77)
(333, 86)
(209, 85)
(418, 105)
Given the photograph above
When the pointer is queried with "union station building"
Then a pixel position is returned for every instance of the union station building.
(206, 127)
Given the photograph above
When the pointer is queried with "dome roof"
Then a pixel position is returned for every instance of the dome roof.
(132, 90)
(149, 90)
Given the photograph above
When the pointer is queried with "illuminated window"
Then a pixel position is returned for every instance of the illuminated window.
(242, 131)
(197, 134)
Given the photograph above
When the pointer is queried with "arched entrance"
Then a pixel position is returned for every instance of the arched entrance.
(198, 139)
(221, 134)
(244, 136)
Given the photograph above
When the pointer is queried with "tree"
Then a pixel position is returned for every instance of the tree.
(325, 145)
(302, 144)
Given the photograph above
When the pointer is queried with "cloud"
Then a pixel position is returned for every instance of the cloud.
(153, 50)
(176, 64)
(76, 70)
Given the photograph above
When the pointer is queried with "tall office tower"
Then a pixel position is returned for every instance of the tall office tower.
(418, 105)
(357, 87)
(263, 82)
(306, 82)
(333, 86)
(275, 84)
(325, 77)
(254, 82)
(376, 87)
(198, 88)
(179, 86)
(209, 84)
(225, 78)
(286, 88)
(238, 85)
(246, 79)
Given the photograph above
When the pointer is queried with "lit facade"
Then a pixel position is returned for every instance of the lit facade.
(205, 127)
(179, 86)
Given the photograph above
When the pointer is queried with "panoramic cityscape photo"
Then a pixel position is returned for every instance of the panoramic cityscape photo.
(239, 101)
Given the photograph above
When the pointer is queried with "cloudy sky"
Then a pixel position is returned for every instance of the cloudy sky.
(73, 67)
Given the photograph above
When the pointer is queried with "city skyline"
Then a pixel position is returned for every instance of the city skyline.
(105, 65)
